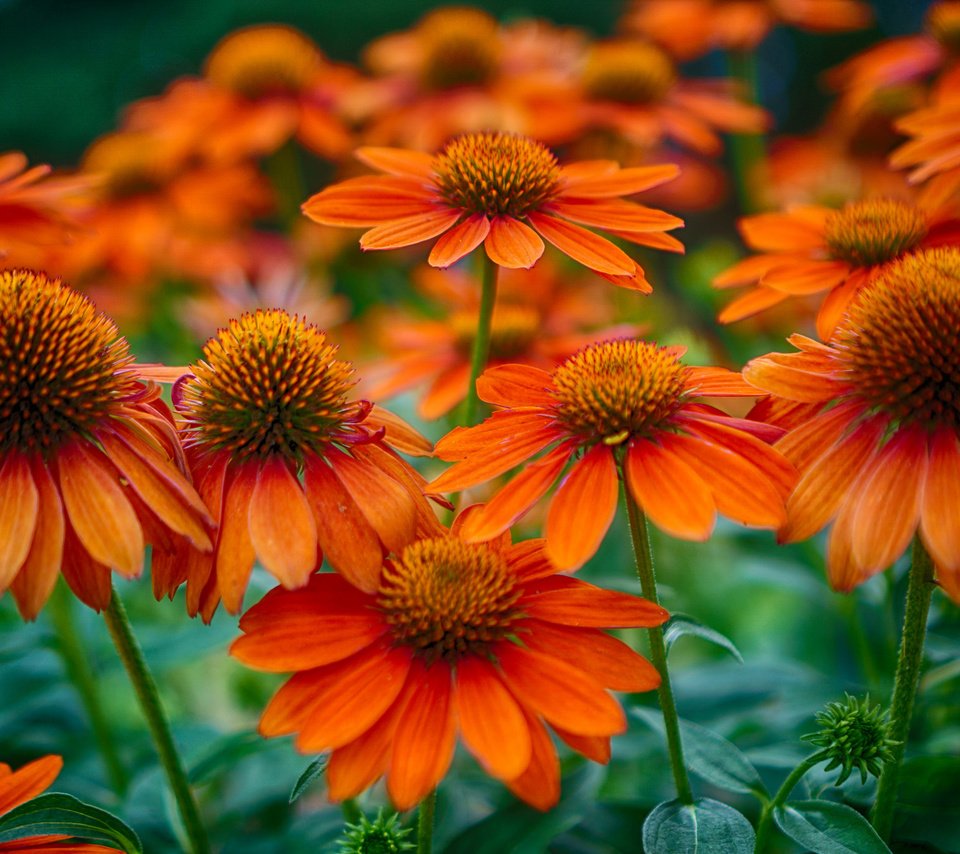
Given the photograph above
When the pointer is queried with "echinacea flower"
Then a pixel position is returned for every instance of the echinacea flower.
(24, 784)
(507, 192)
(267, 404)
(90, 466)
(617, 404)
(935, 130)
(484, 640)
(875, 423)
(811, 249)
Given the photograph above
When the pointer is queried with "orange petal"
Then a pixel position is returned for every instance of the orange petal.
(672, 494)
(781, 232)
(940, 514)
(397, 161)
(19, 503)
(424, 737)
(621, 182)
(810, 277)
(805, 443)
(573, 536)
(584, 246)
(615, 215)
(235, 552)
(787, 378)
(445, 392)
(594, 747)
(282, 530)
(90, 581)
(562, 693)
(398, 433)
(569, 601)
(499, 430)
(28, 781)
(460, 240)
(843, 572)
(747, 271)
(539, 784)
(99, 512)
(753, 302)
(409, 230)
(513, 244)
(356, 765)
(515, 385)
(492, 725)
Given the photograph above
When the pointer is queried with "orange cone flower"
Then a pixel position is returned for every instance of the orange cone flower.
(18, 787)
(618, 403)
(812, 249)
(484, 640)
(90, 466)
(935, 146)
(507, 192)
(875, 423)
(267, 404)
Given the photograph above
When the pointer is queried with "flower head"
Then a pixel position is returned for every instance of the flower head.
(456, 637)
(507, 192)
(383, 835)
(90, 466)
(876, 423)
(618, 404)
(269, 402)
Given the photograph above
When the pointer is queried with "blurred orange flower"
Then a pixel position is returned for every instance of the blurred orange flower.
(18, 787)
(506, 192)
(935, 147)
(90, 466)
(269, 402)
(618, 403)
(874, 420)
(481, 639)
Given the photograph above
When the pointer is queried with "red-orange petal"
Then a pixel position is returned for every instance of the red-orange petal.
(784, 232)
(515, 385)
(753, 302)
(459, 241)
(28, 781)
(355, 766)
(539, 784)
(397, 161)
(513, 244)
(572, 602)
(584, 246)
(19, 506)
(617, 182)
(398, 433)
(807, 277)
(409, 230)
(940, 512)
(235, 554)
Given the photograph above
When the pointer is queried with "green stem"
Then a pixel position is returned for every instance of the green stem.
(766, 814)
(146, 690)
(481, 343)
(428, 807)
(80, 673)
(919, 593)
(351, 812)
(747, 150)
(658, 650)
(284, 169)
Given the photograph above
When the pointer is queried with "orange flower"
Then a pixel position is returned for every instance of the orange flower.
(632, 88)
(268, 403)
(813, 249)
(935, 147)
(485, 640)
(874, 420)
(538, 320)
(90, 466)
(18, 787)
(690, 28)
(619, 403)
(506, 192)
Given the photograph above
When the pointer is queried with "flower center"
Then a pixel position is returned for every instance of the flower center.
(61, 364)
(269, 384)
(496, 173)
(460, 48)
(628, 73)
(901, 343)
(127, 163)
(617, 389)
(448, 599)
(264, 60)
(943, 23)
(874, 231)
(513, 330)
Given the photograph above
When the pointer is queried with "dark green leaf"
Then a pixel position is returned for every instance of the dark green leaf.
(312, 771)
(928, 809)
(64, 814)
(705, 825)
(826, 827)
(682, 624)
(710, 756)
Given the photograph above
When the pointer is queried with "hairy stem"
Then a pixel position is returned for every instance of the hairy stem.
(481, 343)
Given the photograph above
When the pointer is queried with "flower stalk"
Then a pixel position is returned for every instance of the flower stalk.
(481, 343)
(747, 150)
(778, 800)
(425, 816)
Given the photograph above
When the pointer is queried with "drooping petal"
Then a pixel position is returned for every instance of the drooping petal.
(513, 244)
(19, 505)
(409, 230)
(940, 512)
(459, 241)
(353, 767)
(584, 246)
(28, 781)
(235, 554)
(539, 784)
(398, 433)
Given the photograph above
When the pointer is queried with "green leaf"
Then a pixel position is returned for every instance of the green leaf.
(928, 809)
(826, 827)
(313, 770)
(64, 815)
(682, 624)
(710, 756)
(705, 825)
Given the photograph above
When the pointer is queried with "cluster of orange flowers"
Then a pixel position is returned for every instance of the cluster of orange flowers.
(424, 631)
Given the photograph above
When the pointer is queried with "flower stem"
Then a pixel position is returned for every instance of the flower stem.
(80, 673)
(481, 343)
(351, 812)
(425, 823)
(658, 650)
(766, 814)
(919, 593)
(747, 150)
(146, 690)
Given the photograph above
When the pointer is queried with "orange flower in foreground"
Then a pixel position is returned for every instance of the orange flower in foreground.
(90, 466)
(506, 192)
(619, 403)
(18, 787)
(481, 639)
(269, 403)
(875, 423)
(813, 249)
